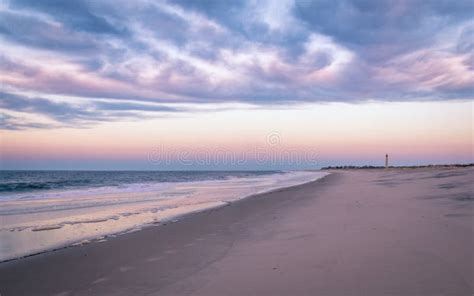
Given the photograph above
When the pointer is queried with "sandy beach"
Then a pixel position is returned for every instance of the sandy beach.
(356, 232)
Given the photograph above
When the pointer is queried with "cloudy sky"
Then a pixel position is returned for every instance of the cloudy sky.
(104, 84)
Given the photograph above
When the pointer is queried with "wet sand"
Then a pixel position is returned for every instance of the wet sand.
(367, 232)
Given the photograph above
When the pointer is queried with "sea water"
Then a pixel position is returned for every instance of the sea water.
(44, 210)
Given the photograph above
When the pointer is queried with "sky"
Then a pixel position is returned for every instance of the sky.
(115, 84)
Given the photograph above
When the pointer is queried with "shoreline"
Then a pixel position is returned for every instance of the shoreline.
(171, 219)
(100, 239)
(51, 222)
(368, 232)
(403, 167)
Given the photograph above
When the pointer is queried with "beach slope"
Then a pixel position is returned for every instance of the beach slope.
(357, 232)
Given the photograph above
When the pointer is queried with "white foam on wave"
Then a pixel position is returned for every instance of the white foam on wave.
(54, 219)
(91, 191)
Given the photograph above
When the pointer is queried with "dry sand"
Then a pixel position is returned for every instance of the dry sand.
(369, 232)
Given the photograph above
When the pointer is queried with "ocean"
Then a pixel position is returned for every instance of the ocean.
(44, 210)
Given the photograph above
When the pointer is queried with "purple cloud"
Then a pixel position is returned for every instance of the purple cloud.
(216, 52)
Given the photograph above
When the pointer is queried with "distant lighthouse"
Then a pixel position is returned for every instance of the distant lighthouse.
(386, 161)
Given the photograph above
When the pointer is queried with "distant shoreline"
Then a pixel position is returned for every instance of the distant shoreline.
(370, 167)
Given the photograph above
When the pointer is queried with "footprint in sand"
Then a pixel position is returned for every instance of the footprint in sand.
(65, 293)
(153, 259)
(99, 280)
(125, 268)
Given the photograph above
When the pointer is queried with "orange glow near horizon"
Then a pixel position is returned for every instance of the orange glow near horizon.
(349, 131)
